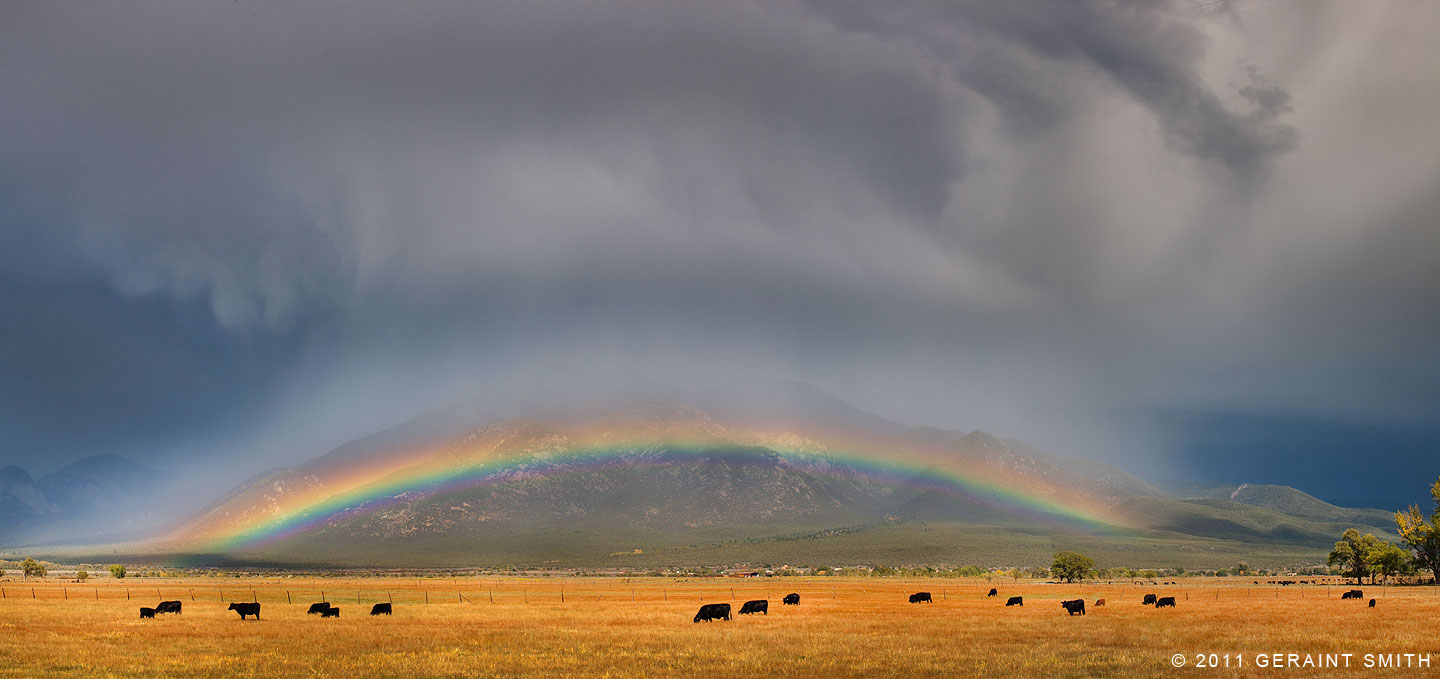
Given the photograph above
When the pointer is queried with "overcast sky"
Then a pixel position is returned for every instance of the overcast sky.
(1198, 240)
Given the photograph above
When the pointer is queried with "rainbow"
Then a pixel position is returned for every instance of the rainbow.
(441, 475)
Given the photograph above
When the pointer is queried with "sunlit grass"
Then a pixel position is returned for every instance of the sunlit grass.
(611, 627)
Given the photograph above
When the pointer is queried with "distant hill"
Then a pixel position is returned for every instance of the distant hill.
(103, 497)
(1286, 500)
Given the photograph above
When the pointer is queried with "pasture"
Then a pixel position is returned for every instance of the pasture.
(614, 627)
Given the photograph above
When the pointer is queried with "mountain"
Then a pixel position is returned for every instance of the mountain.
(1286, 500)
(569, 471)
(549, 474)
(103, 497)
(20, 498)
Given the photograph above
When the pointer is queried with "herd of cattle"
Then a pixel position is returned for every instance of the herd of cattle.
(1072, 607)
(248, 609)
(708, 611)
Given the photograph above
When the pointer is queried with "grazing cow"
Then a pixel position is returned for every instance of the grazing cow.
(1015, 601)
(319, 607)
(710, 612)
(1353, 594)
(1099, 603)
(791, 599)
(150, 612)
(1372, 603)
(1165, 601)
(993, 592)
(246, 609)
(1149, 599)
(1073, 607)
(756, 606)
(167, 607)
(921, 596)
(330, 613)
(377, 609)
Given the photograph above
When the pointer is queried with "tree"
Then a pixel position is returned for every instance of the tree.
(1242, 568)
(1353, 553)
(33, 568)
(1070, 566)
(81, 575)
(117, 571)
(1421, 536)
(1387, 560)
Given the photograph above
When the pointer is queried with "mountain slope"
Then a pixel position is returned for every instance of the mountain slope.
(103, 497)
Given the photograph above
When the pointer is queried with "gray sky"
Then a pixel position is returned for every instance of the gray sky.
(1186, 238)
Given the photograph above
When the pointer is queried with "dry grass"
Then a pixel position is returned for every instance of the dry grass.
(843, 627)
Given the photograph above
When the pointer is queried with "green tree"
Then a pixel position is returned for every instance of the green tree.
(1387, 560)
(33, 568)
(81, 575)
(1070, 566)
(117, 571)
(1421, 536)
(1242, 568)
(1353, 553)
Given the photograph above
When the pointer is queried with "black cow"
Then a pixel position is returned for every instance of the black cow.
(756, 606)
(1016, 601)
(330, 613)
(1149, 599)
(246, 609)
(1165, 601)
(150, 612)
(1372, 603)
(791, 599)
(992, 592)
(921, 596)
(1073, 607)
(167, 607)
(377, 609)
(319, 607)
(1353, 594)
(713, 612)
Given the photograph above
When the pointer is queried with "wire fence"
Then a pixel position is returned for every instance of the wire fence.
(603, 591)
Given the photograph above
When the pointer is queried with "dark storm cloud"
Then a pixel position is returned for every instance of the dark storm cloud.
(1046, 219)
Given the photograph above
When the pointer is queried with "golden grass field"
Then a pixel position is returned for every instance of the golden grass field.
(613, 627)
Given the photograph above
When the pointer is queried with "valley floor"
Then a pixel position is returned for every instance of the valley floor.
(614, 627)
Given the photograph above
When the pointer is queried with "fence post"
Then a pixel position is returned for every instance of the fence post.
(192, 595)
(287, 596)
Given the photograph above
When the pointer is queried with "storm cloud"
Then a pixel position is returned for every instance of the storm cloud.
(237, 233)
